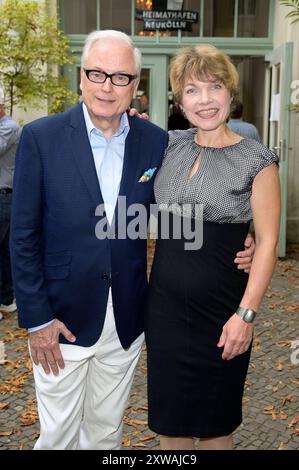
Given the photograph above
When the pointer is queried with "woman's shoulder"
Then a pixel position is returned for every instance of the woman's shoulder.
(258, 150)
(257, 155)
(178, 136)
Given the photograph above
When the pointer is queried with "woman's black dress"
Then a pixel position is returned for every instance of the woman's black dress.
(192, 391)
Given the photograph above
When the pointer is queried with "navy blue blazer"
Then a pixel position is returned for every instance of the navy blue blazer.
(60, 268)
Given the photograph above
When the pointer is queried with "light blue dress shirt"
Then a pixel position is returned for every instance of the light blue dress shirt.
(108, 159)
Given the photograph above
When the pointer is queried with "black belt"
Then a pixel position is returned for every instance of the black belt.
(5, 190)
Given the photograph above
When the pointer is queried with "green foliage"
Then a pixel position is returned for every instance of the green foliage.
(32, 52)
(294, 14)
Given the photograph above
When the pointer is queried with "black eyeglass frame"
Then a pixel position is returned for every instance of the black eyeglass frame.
(109, 75)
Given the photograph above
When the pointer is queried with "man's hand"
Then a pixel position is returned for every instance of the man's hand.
(133, 112)
(45, 348)
(244, 258)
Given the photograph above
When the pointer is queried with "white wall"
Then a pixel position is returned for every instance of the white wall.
(283, 32)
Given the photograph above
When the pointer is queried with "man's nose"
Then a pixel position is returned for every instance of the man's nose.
(107, 85)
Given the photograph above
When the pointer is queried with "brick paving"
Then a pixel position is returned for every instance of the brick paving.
(272, 387)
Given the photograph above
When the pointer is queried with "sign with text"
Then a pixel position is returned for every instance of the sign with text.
(167, 19)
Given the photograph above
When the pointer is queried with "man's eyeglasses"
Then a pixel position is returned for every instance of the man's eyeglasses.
(117, 79)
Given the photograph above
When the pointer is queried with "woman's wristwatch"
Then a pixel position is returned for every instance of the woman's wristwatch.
(246, 314)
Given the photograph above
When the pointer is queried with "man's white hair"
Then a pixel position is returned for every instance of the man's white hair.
(111, 34)
(1, 95)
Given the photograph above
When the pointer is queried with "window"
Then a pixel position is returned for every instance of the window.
(193, 5)
(79, 17)
(148, 5)
(116, 14)
(163, 5)
(253, 18)
(247, 7)
(219, 18)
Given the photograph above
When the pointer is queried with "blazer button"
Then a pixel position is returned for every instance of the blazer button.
(105, 277)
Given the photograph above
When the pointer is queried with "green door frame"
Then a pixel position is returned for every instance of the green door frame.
(158, 92)
(282, 57)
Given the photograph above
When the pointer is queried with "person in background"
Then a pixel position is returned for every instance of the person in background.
(144, 103)
(201, 308)
(240, 127)
(9, 138)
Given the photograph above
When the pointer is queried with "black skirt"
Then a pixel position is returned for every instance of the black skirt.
(192, 391)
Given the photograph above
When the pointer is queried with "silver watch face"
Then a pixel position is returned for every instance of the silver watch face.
(249, 316)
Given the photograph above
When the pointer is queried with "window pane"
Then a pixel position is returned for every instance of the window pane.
(192, 5)
(116, 14)
(219, 18)
(79, 17)
(141, 5)
(142, 101)
(253, 18)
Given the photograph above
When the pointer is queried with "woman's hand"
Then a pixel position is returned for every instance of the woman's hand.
(133, 112)
(236, 337)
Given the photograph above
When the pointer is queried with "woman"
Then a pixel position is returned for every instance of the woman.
(201, 307)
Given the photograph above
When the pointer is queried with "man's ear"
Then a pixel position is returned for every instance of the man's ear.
(81, 78)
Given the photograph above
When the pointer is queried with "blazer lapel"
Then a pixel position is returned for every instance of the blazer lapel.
(131, 167)
(83, 154)
(131, 162)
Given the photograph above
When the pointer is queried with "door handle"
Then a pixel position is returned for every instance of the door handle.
(278, 149)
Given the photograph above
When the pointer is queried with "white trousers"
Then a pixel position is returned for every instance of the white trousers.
(83, 407)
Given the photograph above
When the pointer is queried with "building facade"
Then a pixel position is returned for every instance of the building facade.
(256, 34)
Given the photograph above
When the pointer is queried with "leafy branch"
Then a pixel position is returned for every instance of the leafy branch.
(294, 14)
(33, 50)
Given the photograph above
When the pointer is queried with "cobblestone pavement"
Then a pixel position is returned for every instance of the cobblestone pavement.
(272, 387)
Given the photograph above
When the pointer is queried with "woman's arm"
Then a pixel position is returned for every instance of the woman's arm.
(265, 204)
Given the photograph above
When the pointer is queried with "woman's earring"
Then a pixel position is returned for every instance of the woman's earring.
(182, 109)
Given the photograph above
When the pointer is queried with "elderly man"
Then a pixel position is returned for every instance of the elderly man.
(9, 138)
(82, 295)
(87, 293)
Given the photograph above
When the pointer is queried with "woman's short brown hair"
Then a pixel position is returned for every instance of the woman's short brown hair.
(203, 62)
